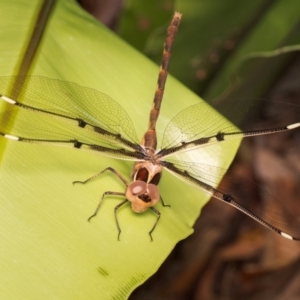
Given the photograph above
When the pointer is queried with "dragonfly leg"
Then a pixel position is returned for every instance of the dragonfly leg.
(158, 217)
(163, 203)
(101, 200)
(116, 216)
(107, 169)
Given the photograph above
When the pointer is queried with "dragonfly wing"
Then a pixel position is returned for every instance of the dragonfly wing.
(262, 206)
(52, 111)
(200, 125)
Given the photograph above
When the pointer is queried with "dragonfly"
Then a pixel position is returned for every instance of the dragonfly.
(47, 111)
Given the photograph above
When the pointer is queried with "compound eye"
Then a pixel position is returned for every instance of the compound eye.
(153, 193)
(156, 178)
(136, 188)
(142, 175)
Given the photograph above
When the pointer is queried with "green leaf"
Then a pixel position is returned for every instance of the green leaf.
(277, 27)
(48, 249)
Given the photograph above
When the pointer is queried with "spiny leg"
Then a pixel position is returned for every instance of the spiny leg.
(101, 200)
(107, 169)
(163, 203)
(116, 217)
(158, 217)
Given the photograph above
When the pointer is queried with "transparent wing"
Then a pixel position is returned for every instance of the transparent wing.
(48, 110)
(262, 207)
(200, 125)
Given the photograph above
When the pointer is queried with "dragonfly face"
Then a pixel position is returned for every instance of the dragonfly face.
(100, 125)
(142, 195)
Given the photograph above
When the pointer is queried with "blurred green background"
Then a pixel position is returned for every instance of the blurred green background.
(222, 45)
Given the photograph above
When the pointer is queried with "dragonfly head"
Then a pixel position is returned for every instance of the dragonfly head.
(142, 195)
